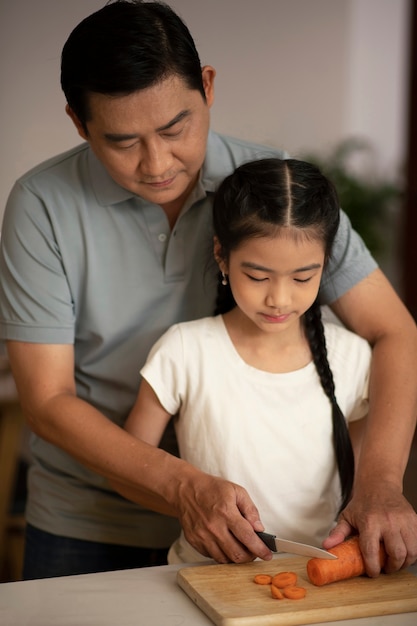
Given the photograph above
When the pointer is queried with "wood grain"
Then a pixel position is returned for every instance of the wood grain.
(229, 597)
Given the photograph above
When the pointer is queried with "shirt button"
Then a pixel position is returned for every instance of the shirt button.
(162, 237)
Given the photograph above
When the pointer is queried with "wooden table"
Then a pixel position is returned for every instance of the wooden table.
(148, 597)
(11, 430)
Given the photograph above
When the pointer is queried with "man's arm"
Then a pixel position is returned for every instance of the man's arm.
(217, 515)
(378, 510)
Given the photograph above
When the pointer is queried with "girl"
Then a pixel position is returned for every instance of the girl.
(261, 391)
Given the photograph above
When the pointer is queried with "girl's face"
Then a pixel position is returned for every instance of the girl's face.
(275, 280)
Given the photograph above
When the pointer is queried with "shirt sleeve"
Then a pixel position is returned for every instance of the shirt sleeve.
(164, 370)
(35, 299)
(350, 361)
(360, 407)
(350, 263)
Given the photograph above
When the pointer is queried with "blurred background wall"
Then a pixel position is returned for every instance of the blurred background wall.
(299, 74)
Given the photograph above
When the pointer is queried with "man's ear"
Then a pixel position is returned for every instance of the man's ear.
(217, 251)
(208, 74)
(80, 128)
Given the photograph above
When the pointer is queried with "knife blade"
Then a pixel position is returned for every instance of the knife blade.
(293, 547)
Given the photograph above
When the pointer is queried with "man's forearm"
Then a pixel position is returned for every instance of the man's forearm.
(393, 409)
(374, 311)
(143, 473)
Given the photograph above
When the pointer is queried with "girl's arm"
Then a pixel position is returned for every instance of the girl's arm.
(148, 419)
(356, 432)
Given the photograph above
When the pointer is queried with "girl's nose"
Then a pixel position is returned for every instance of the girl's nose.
(278, 297)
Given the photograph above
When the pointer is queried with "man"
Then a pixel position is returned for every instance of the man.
(106, 246)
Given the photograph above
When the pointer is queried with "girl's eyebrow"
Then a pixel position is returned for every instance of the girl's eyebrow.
(261, 268)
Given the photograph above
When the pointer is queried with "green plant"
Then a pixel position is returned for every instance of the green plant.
(369, 201)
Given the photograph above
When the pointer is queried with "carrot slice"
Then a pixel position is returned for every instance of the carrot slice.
(349, 563)
(262, 579)
(284, 579)
(294, 593)
(276, 593)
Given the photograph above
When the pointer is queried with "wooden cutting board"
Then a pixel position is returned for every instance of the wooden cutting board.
(229, 597)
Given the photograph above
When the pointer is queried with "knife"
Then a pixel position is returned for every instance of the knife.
(293, 547)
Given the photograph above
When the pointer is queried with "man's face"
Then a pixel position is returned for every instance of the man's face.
(152, 142)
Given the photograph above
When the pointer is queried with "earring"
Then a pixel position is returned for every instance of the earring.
(224, 279)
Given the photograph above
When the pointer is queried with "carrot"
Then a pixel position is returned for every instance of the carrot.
(282, 585)
(284, 579)
(294, 593)
(262, 579)
(276, 593)
(348, 564)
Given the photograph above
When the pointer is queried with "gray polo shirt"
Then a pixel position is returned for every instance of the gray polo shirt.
(85, 262)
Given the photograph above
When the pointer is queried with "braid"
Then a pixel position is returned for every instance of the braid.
(343, 447)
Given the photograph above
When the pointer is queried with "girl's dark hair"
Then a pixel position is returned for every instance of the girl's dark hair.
(259, 199)
(124, 47)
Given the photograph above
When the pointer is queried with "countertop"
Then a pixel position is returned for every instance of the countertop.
(148, 597)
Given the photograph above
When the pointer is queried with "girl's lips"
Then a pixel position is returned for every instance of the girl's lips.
(275, 319)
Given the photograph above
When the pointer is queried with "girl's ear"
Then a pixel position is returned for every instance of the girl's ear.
(217, 250)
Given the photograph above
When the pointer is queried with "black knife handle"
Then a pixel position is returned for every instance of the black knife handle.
(268, 539)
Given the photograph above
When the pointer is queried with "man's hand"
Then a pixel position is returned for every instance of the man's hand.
(379, 514)
(219, 518)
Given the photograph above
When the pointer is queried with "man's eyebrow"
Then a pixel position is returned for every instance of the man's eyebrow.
(261, 268)
(178, 118)
(128, 136)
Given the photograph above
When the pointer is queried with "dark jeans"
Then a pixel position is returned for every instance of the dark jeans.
(48, 555)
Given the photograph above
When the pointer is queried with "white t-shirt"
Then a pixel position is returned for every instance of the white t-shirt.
(270, 433)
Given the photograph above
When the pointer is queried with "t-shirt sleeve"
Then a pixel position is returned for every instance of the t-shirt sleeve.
(350, 263)
(350, 360)
(360, 406)
(164, 370)
(35, 299)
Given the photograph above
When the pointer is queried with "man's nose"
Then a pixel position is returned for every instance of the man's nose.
(156, 159)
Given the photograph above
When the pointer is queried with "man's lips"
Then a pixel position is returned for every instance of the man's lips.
(160, 184)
